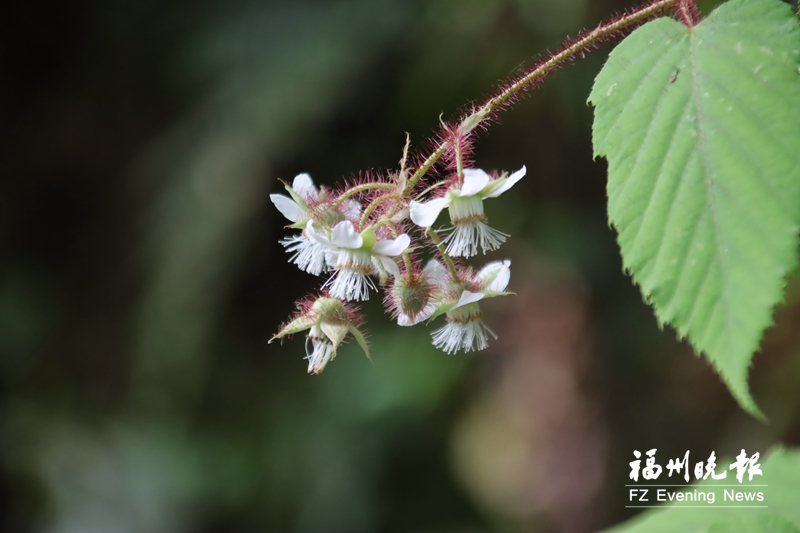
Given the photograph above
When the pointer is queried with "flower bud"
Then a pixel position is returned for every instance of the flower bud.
(411, 293)
(414, 296)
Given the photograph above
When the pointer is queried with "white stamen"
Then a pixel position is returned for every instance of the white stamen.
(468, 235)
(309, 255)
(351, 286)
(464, 330)
(405, 320)
(351, 281)
(470, 229)
(321, 352)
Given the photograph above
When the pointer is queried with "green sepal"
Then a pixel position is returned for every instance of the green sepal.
(472, 121)
(490, 278)
(494, 184)
(296, 197)
(327, 307)
(442, 309)
(297, 325)
(492, 294)
(360, 340)
(369, 238)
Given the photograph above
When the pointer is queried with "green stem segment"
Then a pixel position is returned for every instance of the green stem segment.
(569, 53)
(361, 188)
(459, 160)
(687, 11)
(425, 167)
(371, 207)
(438, 242)
(407, 260)
(432, 187)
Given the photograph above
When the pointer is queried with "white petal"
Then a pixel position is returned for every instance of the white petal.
(304, 186)
(351, 210)
(426, 313)
(510, 181)
(345, 236)
(502, 274)
(394, 247)
(436, 272)
(425, 213)
(475, 179)
(287, 207)
(390, 266)
(404, 320)
(468, 298)
(317, 237)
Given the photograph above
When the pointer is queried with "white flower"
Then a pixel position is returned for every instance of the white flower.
(355, 256)
(308, 254)
(295, 208)
(470, 230)
(465, 330)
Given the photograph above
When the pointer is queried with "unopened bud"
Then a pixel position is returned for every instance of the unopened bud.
(329, 308)
(411, 295)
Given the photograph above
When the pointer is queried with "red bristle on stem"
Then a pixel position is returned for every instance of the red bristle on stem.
(518, 85)
(686, 11)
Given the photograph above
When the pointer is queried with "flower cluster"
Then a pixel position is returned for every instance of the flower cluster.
(370, 236)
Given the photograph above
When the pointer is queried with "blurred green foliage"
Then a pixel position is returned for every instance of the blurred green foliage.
(141, 278)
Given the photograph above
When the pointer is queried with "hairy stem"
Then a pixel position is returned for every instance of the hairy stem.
(361, 188)
(407, 261)
(567, 54)
(426, 165)
(432, 187)
(438, 242)
(404, 160)
(371, 207)
(687, 11)
(576, 49)
(459, 159)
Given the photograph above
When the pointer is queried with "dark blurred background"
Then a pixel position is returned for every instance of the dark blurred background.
(141, 277)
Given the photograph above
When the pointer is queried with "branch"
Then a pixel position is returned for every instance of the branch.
(569, 52)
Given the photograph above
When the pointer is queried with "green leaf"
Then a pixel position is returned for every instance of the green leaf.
(781, 470)
(701, 128)
(296, 197)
